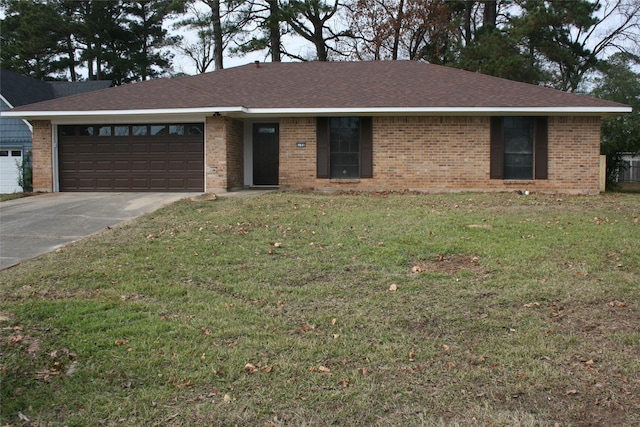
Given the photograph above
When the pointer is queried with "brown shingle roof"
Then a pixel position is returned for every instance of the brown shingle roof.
(380, 84)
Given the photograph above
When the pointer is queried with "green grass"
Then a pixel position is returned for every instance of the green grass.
(11, 196)
(278, 310)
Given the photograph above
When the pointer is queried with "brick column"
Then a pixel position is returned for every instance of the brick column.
(42, 156)
(224, 146)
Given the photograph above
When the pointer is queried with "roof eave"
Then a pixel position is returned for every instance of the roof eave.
(239, 111)
(433, 111)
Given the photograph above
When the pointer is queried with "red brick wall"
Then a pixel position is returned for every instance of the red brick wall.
(42, 155)
(445, 154)
(224, 151)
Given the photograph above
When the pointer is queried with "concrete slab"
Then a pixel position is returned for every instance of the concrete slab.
(35, 225)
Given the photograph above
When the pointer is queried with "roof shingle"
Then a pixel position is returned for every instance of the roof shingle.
(280, 85)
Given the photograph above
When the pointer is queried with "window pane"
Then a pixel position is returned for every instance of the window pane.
(140, 130)
(104, 131)
(344, 146)
(176, 130)
(196, 129)
(4, 153)
(66, 130)
(16, 153)
(121, 130)
(86, 131)
(158, 130)
(518, 147)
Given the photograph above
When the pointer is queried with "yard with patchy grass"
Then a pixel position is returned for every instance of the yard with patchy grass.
(355, 309)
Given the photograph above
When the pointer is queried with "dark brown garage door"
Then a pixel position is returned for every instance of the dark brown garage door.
(131, 157)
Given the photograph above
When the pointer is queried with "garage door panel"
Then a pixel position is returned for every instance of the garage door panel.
(102, 149)
(136, 163)
(158, 166)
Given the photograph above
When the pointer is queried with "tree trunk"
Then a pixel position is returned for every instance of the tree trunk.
(468, 7)
(490, 15)
(274, 30)
(396, 30)
(216, 21)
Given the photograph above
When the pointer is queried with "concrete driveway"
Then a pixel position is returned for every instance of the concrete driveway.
(35, 225)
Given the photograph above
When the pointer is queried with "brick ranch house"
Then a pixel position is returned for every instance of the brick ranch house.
(390, 125)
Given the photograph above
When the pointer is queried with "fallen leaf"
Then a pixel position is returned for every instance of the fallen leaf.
(15, 339)
(227, 398)
(267, 369)
(446, 347)
(571, 392)
(121, 342)
(416, 269)
(412, 356)
(393, 287)
(323, 369)
(617, 303)
(250, 367)
(363, 371)
(333, 321)
(205, 331)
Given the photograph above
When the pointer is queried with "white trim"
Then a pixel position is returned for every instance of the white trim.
(26, 122)
(438, 111)
(145, 115)
(135, 113)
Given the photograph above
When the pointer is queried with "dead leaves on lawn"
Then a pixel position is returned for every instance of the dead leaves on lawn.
(451, 264)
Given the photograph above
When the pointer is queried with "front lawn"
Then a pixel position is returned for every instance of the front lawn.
(304, 309)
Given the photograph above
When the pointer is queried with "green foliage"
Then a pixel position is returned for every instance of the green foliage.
(620, 134)
(25, 173)
(495, 52)
(30, 42)
(122, 41)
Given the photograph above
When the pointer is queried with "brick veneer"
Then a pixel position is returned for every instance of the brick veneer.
(419, 153)
(42, 159)
(445, 154)
(224, 151)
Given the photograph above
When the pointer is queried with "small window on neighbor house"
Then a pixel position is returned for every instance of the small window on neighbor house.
(104, 131)
(140, 130)
(4, 153)
(16, 153)
(121, 130)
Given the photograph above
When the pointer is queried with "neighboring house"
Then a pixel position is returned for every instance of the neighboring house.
(389, 125)
(16, 133)
(629, 170)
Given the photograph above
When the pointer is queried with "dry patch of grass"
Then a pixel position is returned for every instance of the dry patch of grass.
(302, 309)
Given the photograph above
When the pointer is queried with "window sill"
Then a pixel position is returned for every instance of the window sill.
(517, 181)
(345, 181)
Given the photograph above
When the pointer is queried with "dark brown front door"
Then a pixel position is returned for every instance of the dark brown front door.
(265, 154)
